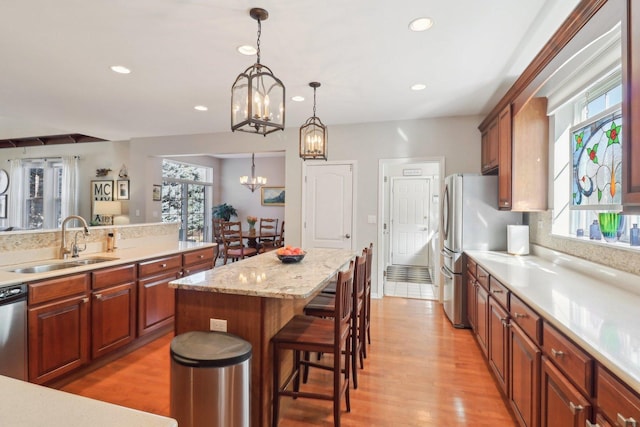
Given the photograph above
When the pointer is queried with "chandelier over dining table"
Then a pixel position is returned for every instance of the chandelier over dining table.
(254, 182)
(257, 95)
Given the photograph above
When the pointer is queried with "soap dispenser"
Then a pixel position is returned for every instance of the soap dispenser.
(634, 235)
(594, 231)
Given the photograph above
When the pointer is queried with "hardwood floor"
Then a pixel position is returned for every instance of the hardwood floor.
(420, 371)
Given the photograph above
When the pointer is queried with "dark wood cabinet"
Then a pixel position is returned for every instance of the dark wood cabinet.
(616, 403)
(504, 158)
(113, 309)
(490, 148)
(198, 260)
(156, 300)
(58, 327)
(524, 378)
(631, 107)
(482, 318)
(498, 328)
(561, 404)
(471, 301)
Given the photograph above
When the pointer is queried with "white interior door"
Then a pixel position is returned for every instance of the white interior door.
(328, 206)
(410, 221)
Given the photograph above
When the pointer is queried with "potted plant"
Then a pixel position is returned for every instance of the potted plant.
(224, 211)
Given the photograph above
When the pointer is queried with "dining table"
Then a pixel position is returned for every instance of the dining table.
(256, 297)
(252, 237)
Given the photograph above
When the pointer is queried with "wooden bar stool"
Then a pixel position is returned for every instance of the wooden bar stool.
(304, 334)
(323, 305)
(367, 302)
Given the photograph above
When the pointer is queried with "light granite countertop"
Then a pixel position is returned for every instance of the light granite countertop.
(266, 276)
(29, 405)
(143, 250)
(595, 306)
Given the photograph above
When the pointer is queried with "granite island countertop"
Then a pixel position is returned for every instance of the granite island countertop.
(266, 276)
(595, 306)
(30, 405)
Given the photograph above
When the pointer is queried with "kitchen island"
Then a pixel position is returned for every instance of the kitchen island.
(256, 296)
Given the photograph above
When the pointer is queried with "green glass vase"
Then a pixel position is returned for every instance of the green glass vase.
(609, 224)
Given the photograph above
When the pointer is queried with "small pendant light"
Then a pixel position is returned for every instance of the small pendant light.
(313, 134)
(254, 182)
(257, 96)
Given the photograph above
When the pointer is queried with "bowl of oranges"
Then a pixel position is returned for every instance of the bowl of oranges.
(289, 254)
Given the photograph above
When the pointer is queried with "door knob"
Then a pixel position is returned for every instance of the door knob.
(348, 236)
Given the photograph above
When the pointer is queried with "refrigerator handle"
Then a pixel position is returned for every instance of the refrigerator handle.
(446, 254)
(445, 273)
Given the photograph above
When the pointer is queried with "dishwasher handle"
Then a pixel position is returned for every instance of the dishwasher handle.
(12, 293)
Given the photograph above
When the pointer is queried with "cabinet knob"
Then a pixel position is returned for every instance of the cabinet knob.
(626, 422)
(497, 291)
(575, 408)
(163, 265)
(557, 353)
(85, 300)
(201, 256)
(98, 296)
(519, 315)
(590, 424)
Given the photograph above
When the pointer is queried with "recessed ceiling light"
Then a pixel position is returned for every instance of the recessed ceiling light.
(120, 69)
(247, 50)
(418, 86)
(421, 24)
(297, 98)
(200, 108)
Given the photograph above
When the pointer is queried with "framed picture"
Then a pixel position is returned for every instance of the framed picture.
(3, 205)
(101, 190)
(157, 192)
(123, 189)
(272, 196)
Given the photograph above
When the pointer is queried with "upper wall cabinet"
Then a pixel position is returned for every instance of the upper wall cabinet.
(490, 148)
(631, 107)
(555, 94)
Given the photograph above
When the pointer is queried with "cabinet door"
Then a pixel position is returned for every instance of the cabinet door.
(498, 340)
(524, 385)
(113, 318)
(504, 158)
(156, 302)
(58, 338)
(631, 106)
(561, 404)
(482, 307)
(471, 302)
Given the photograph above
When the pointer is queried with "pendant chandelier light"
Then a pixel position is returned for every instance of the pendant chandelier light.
(313, 134)
(254, 182)
(257, 96)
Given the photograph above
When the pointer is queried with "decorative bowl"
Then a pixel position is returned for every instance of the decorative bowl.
(288, 259)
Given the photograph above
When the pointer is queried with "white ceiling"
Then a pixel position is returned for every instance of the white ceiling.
(55, 75)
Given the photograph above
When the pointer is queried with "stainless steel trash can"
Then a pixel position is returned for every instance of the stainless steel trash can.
(210, 378)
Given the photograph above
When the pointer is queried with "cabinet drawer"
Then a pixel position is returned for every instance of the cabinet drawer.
(197, 268)
(197, 257)
(60, 287)
(499, 292)
(471, 266)
(573, 362)
(113, 276)
(526, 318)
(615, 401)
(159, 265)
(483, 277)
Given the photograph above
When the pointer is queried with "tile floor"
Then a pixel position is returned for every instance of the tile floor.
(410, 290)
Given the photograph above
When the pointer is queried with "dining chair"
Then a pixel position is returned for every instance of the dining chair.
(277, 242)
(304, 334)
(234, 248)
(217, 235)
(367, 301)
(268, 230)
(323, 305)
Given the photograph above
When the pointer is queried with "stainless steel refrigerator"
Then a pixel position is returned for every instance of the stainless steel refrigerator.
(470, 221)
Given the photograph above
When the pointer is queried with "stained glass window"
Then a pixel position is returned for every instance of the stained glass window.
(596, 156)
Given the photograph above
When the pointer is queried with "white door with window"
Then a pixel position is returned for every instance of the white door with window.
(410, 221)
(328, 205)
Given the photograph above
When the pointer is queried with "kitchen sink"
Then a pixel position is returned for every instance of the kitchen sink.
(43, 268)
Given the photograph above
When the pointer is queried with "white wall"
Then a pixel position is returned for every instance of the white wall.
(457, 139)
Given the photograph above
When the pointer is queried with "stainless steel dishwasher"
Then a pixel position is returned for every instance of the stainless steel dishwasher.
(13, 331)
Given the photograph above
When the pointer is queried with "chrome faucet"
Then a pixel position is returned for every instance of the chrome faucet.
(63, 246)
(75, 248)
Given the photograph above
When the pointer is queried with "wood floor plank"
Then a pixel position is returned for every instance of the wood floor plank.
(420, 371)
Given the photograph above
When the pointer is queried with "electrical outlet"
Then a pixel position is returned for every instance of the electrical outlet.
(219, 325)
